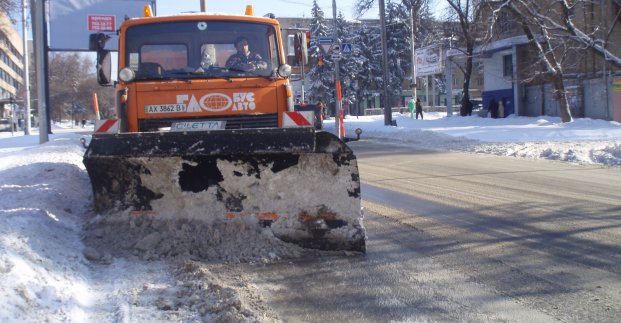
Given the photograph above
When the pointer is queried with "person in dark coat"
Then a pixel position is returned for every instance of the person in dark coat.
(419, 109)
(493, 108)
(244, 60)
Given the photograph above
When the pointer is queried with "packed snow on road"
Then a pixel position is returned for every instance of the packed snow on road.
(56, 264)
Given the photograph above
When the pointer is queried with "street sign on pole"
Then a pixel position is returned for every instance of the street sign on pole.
(326, 44)
(335, 49)
(346, 48)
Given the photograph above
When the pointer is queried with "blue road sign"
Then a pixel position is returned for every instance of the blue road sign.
(346, 48)
(325, 40)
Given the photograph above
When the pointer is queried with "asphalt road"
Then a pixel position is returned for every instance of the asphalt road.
(464, 237)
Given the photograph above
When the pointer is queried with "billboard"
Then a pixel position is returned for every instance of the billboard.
(72, 21)
(429, 61)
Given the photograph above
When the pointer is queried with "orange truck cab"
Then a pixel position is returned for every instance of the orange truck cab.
(173, 71)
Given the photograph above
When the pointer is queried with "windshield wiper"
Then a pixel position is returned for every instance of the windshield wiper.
(153, 77)
(200, 73)
(251, 73)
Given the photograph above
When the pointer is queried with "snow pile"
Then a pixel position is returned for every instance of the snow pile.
(48, 273)
(152, 239)
(42, 270)
(584, 141)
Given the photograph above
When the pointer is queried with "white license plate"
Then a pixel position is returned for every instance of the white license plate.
(198, 125)
(165, 108)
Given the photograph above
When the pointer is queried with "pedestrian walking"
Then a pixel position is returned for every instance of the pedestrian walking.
(411, 107)
(419, 109)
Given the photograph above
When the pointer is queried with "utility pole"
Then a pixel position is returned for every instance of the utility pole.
(413, 85)
(336, 74)
(40, 48)
(26, 71)
(387, 109)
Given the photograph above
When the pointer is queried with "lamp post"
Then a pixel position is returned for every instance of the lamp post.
(26, 69)
(39, 40)
(387, 109)
(336, 75)
(413, 85)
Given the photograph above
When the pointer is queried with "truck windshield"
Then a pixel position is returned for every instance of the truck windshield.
(201, 49)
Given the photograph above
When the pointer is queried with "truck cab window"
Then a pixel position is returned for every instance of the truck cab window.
(197, 49)
(168, 56)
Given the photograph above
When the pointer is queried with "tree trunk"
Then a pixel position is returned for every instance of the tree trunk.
(561, 97)
(463, 110)
(549, 61)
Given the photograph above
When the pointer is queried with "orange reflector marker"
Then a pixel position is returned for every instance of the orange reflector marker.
(147, 12)
(342, 123)
(249, 10)
(289, 93)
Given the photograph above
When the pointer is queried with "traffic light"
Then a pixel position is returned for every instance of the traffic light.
(301, 51)
(308, 37)
(298, 47)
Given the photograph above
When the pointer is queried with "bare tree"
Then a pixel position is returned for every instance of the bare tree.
(562, 21)
(553, 32)
(592, 40)
(8, 7)
(549, 47)
(72, 84)
(466, 12)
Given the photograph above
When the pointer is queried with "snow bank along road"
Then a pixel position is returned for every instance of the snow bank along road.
(452, 237)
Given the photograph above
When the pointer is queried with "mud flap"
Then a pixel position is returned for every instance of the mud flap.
(301, 184)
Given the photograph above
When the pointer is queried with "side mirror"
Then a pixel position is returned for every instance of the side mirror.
(104, 67)
(97, 42)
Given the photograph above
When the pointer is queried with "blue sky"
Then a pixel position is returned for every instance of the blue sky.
(280, 8)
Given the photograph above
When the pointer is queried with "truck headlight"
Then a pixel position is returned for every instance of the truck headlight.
(284, 70)
(126, 75)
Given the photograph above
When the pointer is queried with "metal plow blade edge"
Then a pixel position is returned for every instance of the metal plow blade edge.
(301, 184)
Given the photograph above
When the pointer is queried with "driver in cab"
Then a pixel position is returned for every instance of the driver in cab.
(244, 60)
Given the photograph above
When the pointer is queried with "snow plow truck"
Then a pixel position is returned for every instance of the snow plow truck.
(194, 139)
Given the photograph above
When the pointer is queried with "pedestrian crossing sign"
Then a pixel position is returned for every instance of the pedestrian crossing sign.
(346, 48)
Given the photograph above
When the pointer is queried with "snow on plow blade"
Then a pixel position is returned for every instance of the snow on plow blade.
(301, 184)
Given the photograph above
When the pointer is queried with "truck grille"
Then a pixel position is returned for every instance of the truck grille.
(232, 122)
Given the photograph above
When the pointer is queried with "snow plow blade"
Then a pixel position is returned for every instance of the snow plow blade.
(301, 184)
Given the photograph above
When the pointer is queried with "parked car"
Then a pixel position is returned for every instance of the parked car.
(5, 125)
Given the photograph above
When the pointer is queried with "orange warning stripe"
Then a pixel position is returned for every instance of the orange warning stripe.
(298, 118)
(106, 125)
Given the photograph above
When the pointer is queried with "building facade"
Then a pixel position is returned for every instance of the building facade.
(11, 69)
(514, 73)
